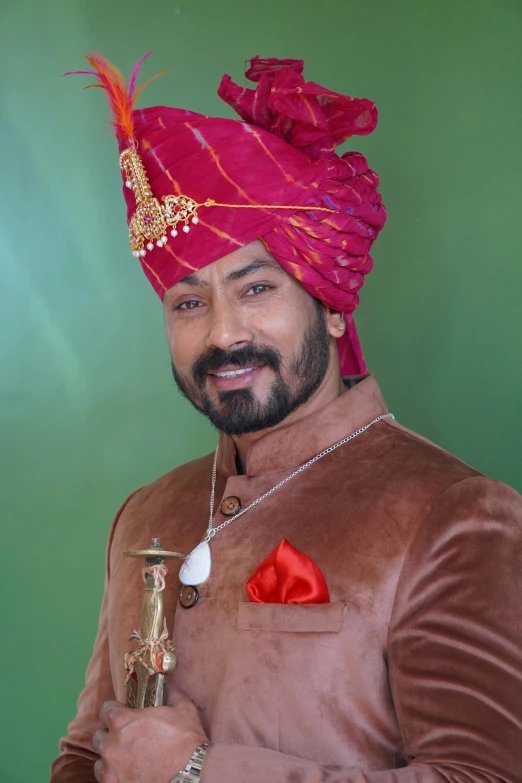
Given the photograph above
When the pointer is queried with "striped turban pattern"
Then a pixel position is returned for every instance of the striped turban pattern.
(280, 153)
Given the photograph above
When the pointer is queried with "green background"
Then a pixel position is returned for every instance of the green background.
(88, 409)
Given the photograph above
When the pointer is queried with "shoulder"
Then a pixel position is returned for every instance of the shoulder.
(415, 453)
(417, 491)
(472, 531)
(192, 477)
(401, 472)
(411, 468)
(477, 506)
(173, 508)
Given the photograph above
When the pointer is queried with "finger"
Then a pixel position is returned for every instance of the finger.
(175, 696)
(98, 770)
(101, 774)
(176, 699)
(112, 713)
(100, 738)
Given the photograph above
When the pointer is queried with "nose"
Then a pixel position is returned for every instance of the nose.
(227, 329)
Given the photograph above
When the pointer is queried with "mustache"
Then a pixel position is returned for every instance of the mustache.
(246, 356)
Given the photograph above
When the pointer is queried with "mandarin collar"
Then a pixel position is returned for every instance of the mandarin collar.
(289, 446)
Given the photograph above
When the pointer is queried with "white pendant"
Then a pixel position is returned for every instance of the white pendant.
(196, 568)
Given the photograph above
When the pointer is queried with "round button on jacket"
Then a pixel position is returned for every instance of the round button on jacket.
(230, 506)
(188, 596)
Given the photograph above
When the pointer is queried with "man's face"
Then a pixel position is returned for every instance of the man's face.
(248, 344)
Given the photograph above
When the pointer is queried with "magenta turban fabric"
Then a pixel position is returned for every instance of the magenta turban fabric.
(281, 153)
(329, 253)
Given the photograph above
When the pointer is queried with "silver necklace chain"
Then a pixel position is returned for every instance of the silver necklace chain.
(211, 531)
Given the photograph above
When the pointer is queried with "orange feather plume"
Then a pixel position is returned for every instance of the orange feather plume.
(121, 98)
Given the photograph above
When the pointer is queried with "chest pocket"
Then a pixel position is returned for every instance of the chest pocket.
(281, 678)
(290, 618)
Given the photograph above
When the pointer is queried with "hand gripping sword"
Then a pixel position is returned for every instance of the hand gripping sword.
(148, 665)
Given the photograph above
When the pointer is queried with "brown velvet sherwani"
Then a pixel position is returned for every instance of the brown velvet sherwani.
(413, 672)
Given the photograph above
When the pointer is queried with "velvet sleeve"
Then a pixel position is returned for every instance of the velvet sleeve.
(77, 757)
(454, 655)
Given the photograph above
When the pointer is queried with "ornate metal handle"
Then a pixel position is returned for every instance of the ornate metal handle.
(148, 665)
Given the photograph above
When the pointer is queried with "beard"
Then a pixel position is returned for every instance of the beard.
(238, 411)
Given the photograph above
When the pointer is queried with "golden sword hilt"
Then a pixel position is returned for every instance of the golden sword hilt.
(148, 665)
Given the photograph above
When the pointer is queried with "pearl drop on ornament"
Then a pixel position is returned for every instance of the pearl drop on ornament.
(143, 252)
(195, 220)
(164, 240)
(186, 229)
(150, 246)
(173, 233)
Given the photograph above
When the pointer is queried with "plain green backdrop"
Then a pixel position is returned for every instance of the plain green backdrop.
(88, 408)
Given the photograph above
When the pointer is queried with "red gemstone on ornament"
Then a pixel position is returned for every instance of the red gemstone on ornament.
(147, 218)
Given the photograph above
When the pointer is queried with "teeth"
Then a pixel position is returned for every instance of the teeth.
(233, 373)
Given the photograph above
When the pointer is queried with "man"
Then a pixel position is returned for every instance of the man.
(352, 610)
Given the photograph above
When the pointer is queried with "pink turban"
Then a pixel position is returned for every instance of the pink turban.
(274, 175)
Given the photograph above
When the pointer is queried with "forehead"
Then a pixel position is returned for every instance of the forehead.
(250, 257)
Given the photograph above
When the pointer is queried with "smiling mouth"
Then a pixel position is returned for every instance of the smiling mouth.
(233, 373)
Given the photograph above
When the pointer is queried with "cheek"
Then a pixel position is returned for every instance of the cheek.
(283, 326)
(184, 347)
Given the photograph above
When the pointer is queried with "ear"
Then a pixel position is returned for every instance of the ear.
(335, 323)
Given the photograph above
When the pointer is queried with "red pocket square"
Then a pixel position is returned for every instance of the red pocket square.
(287, 576)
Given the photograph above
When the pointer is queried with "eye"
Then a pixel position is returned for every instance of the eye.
(191, 304)
(258, 288)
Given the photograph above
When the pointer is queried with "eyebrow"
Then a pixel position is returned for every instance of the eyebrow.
(254, 266)
(236, 274)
